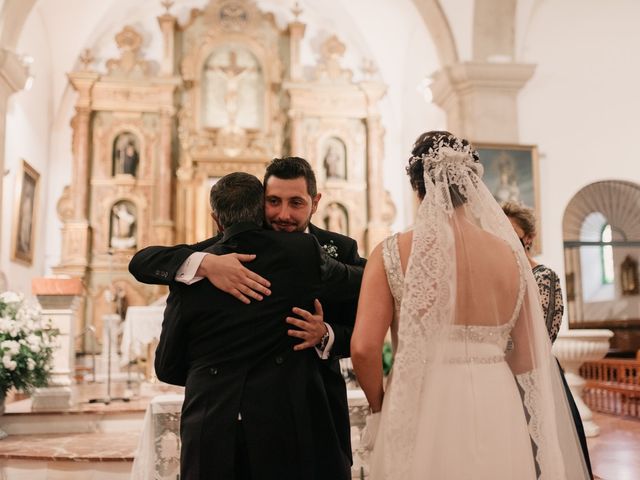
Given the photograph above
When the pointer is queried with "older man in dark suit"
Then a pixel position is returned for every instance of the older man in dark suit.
(291, 198)
(254, 407)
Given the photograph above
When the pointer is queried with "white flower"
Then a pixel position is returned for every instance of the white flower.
(8, 363)
(24, 342)
(5, 324)
(10, 297)
(11, 345)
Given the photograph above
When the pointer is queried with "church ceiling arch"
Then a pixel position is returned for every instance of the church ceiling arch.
(440, 30)
(13, 15)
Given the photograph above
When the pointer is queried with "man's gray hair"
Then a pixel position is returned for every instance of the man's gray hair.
(237, 197)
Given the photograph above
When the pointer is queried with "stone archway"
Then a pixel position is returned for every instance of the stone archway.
(616, 203)
(440, 30)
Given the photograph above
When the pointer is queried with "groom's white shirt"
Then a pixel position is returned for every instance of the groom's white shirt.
(187, 274)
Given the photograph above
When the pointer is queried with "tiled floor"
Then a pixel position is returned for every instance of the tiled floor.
(615, 453)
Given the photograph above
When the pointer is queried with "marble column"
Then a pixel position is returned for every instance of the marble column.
(481, 99)
(58, 298)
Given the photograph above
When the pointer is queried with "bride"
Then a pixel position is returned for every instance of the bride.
(460, 404)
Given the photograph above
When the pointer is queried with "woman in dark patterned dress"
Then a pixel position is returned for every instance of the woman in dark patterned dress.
(524, 224)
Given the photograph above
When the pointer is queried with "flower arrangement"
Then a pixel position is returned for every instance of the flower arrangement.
(26, 345)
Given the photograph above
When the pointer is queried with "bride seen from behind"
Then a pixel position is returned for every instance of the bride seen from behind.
(453, 290)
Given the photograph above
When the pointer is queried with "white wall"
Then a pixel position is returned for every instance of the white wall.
(581, 106)
(27, 137)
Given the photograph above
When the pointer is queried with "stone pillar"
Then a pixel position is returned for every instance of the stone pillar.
(573, 348)
(167, 24)
(295, 135)
(163, 225)
(296, 34)
(75, 232)
(481, 99)
(13, 76)
(59, 299)
(377, 228)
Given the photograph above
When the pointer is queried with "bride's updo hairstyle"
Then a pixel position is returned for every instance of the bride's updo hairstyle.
(430, 149)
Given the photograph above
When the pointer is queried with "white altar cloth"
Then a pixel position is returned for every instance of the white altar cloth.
(142, 325)
(158, 454)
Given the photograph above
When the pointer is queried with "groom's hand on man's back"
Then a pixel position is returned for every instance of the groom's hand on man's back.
(227, 273)
(311, 326)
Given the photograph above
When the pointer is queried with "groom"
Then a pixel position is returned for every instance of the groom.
(254, 408)
(291, 198)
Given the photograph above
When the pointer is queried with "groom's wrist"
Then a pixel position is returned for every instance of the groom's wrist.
(322, 344)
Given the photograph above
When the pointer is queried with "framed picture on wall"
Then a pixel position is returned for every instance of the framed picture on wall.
(25, 214)
(511, 174)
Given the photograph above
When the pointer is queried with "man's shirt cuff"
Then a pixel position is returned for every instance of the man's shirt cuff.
(324, 354)
(187, 271)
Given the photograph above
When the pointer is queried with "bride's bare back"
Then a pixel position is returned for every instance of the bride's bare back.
(487, 275)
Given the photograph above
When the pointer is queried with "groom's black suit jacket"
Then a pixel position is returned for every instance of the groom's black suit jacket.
(236, 358)
(158, 265)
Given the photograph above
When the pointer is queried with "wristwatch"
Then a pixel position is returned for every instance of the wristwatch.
(323, 341)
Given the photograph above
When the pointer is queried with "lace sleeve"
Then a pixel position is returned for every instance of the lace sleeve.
(558, 310)
(550, 299)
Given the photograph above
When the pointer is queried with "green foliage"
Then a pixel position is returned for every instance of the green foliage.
(387, 358)
(26, 345)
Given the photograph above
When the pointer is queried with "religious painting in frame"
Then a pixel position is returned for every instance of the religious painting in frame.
(511, 174)
(25, 214)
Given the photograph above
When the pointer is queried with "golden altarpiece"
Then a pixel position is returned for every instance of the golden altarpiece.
(229, 94)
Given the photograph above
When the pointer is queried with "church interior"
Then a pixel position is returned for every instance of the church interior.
(117, 117)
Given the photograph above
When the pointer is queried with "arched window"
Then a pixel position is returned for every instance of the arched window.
(606, 255)
(596, 258)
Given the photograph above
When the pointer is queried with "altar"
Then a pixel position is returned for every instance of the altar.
(157, 456)
(140, 333)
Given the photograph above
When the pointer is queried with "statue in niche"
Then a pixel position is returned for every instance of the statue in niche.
(125, 154)
(335, 159)
(335, 219)
(629, 276)
(232, 93)
(123, 226)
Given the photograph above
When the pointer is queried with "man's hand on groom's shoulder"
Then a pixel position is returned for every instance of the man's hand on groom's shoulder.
(227, 273)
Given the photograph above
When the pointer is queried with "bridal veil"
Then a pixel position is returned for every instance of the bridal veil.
(473, 359)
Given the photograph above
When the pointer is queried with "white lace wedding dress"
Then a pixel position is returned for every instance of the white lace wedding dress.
(480, 430)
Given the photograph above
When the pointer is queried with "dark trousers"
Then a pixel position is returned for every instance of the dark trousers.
(577, 420)
(242, 466)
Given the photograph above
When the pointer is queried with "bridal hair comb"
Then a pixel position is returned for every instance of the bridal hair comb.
(450, 154)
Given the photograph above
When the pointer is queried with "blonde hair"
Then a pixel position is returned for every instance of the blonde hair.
(523, 216)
